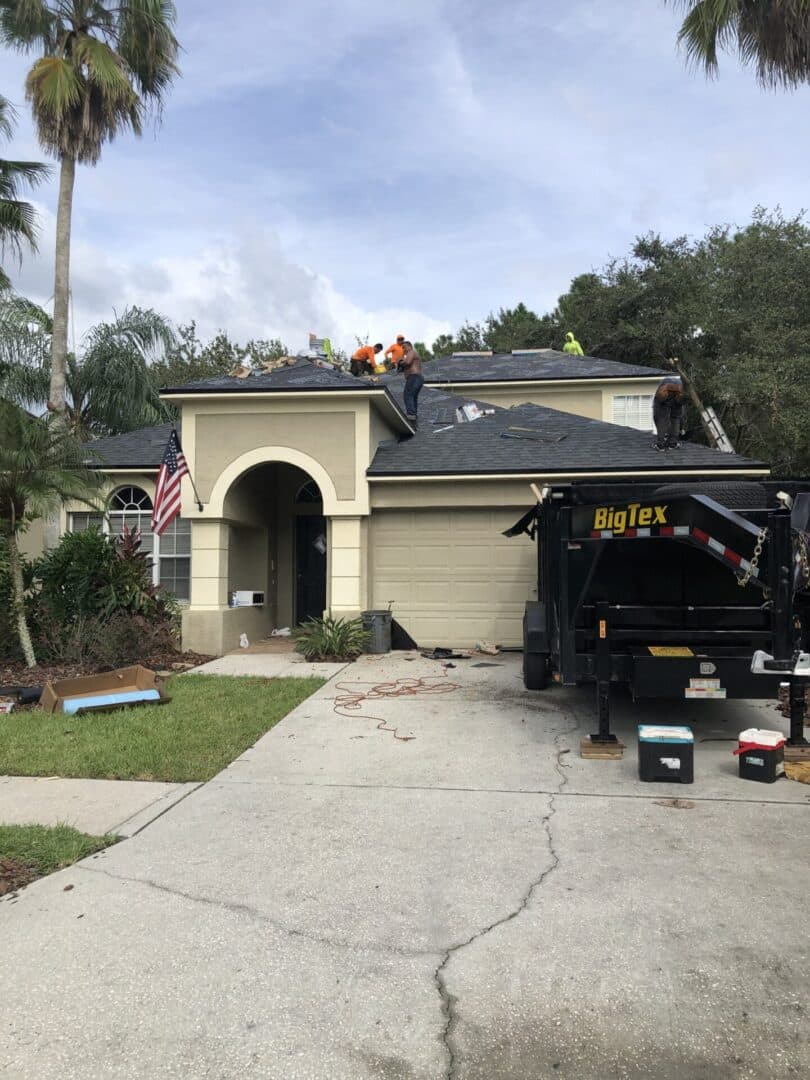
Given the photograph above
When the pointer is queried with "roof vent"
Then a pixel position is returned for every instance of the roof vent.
(530, 352)
(483, 352)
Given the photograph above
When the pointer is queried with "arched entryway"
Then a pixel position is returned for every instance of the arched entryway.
(277, 544)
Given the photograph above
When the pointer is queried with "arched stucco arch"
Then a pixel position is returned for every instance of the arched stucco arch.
(268, 455)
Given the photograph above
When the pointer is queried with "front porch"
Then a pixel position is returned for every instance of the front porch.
(276, 537)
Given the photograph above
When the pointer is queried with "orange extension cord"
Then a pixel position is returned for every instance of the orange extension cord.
(351, 697)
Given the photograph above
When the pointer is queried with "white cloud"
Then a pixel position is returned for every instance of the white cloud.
(248, 285)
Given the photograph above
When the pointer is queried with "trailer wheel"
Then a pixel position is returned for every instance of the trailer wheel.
(535, 670)
(734, 496)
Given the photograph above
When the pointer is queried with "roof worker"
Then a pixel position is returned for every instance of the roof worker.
(411, 364)
(572, 346)
(395, 352)
(668, 413)
(364, 361)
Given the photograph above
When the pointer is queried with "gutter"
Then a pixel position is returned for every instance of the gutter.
(752, 473)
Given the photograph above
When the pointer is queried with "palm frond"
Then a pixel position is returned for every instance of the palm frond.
(8, 118)
(773, 36)
(41, 466)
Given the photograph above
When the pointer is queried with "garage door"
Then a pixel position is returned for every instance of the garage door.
(452, 577)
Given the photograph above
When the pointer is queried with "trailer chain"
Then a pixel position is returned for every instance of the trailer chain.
(743, 580)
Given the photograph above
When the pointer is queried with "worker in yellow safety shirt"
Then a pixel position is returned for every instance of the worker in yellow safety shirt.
(364, 361)
(572, 346)
(394, 353)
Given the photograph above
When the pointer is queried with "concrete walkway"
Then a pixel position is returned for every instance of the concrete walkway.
(476, 903)
(97, 807)
(268, 665)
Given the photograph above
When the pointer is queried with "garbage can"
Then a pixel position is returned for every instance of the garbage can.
(378, 624)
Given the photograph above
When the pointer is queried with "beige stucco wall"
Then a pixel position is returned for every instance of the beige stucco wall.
(591, 398)
(329, 439)
(32, 541)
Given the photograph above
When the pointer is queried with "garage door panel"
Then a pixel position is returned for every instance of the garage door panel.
(454, 578)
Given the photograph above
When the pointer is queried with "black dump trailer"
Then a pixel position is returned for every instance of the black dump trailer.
(687, 590)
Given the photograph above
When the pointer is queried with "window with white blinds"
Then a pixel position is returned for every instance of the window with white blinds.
(633, 410)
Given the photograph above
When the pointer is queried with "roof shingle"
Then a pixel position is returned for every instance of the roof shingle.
(524, 367)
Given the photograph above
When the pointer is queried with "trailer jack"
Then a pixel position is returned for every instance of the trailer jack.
(603, 743)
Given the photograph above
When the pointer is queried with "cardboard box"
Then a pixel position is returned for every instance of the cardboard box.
(95, 693)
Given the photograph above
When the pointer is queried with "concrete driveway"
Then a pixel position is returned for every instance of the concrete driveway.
(475, 903)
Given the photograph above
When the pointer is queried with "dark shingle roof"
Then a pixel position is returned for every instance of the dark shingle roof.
(303, 375)
(555, 442)
(562, 443)
(516, 367)
(141, 449)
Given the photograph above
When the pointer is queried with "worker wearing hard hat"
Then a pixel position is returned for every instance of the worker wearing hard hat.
(364, 361)
(395, 352)
(572, 346)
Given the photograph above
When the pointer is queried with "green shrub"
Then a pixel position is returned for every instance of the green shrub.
(88, 573)
(331, 639)
(97, 603)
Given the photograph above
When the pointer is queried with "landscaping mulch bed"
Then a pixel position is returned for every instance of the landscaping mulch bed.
(15, 874)
(17, 674)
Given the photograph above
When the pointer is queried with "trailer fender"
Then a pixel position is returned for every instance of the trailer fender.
(535, 628)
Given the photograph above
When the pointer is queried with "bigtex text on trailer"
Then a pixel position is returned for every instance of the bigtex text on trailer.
(608, 517)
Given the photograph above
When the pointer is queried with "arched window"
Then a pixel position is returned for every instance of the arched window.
(131, 508)
(169, 555)
(309, 493)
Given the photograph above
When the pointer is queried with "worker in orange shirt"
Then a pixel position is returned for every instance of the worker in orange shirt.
(364, 361)
(395, 352)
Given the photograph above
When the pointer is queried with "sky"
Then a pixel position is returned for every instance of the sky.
(362, 169)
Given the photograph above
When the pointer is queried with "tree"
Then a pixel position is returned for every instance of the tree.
(17, 218)
(515, 328)
(41, 465)
(103, 66)
(110, 386)
(189, 359)
(771, 35)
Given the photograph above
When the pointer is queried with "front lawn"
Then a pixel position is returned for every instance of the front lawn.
(210, 720)
(29, 851)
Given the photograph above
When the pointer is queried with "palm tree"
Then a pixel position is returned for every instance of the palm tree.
(771, 35)
(110, 387)
(104, 65)
(41, 465)
(17, 224)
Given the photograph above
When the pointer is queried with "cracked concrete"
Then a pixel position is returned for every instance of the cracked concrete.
(477, 904)
(448, 999)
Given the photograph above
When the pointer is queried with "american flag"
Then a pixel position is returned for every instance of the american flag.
(167, 497)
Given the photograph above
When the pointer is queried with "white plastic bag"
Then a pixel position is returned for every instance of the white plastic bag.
(243, 641)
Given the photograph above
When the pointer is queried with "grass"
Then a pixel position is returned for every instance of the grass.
(210, 721)
(29, 851)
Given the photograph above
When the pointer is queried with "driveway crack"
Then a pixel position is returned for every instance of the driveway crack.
(260, 916)
(449, 1001)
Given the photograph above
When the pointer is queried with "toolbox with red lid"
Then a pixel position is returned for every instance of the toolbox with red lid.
(762, 755)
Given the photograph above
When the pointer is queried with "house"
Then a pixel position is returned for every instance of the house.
(318, 493)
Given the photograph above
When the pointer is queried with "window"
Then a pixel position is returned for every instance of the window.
(309, 493)
(175, 558)
(169, 555)
(633, 410)
(83, 521)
